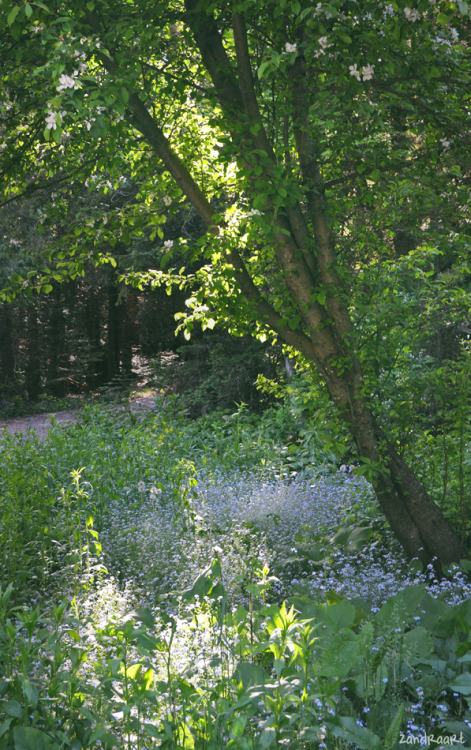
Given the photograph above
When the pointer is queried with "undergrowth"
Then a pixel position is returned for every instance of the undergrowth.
(169, 583)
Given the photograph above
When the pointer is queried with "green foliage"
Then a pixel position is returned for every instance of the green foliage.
(311, 674)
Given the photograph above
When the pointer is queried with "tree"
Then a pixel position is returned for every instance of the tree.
(318, 143)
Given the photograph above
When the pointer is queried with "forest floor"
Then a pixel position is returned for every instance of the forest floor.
(41, 424)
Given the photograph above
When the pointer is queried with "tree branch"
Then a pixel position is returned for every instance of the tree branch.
(214, 57)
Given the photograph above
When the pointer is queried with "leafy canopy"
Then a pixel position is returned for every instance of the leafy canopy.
(376, 95)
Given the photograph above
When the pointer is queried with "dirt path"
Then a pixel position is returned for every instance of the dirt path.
(41, 423)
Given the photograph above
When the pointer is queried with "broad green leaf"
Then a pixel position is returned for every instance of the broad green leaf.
(362, 737)
(13, 708)
(28, 738)
(392, 735)
(462, 684)
(13, 14)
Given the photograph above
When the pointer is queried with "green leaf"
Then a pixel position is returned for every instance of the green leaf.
(392, 735)
(462, 684)
(375, 175)
(13, 708)
(262, 68)
(28, 738)
(5, 726)
(268, 737)
(28, 10)
(13, 14)
(364, 738)
(250, 674)
(152, 730)
(31, 693)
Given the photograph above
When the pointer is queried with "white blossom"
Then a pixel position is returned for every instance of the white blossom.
(367, 72)
(290, 47)
(411, 14)
(67, 82)
(167, 200)
(51, 123)
(168, 244)
(141, 486)
(323, 41)
(389, 10)
(354, 71)
(445, 143)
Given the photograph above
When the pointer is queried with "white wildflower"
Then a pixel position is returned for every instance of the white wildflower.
(141, 487)
(454, 34)
(88, 124)
(389, 10)
(154, 492)
(445, 143)
(168, 244)
(167, 200)
(354, 71)
(323, 41)
(367, 72)
(411, 14)
(290, 47)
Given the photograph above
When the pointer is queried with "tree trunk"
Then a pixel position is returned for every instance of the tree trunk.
(414, 517)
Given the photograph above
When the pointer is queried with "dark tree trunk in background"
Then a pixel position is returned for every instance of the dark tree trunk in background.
(7, 348)
(96, 365)
(128, 331)
(33, 358)
(55, 373)
(113, 343)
